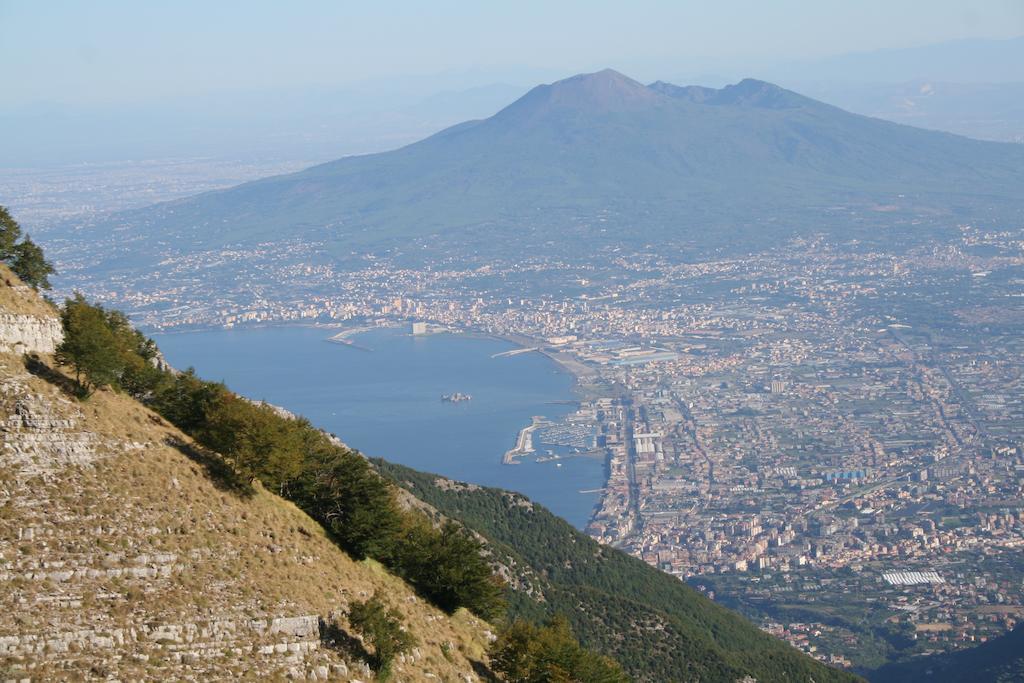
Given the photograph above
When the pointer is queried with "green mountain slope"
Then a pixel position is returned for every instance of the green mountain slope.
(656, 626)
(1000, 660)
(605, 158)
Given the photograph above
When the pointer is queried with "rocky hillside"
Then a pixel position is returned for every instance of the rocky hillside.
(120, 556)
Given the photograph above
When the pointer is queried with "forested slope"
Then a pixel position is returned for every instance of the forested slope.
(656, 626)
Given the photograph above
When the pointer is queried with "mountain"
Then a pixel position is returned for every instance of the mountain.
(1000, 660)
(122, 556)
(604, 159)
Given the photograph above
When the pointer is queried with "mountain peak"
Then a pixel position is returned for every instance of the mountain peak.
(606, 90)
(605, 78)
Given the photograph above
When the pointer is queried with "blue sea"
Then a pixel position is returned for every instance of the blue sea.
(386, 401)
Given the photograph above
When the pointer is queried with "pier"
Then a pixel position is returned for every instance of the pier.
(524, 442)
(343, 337)
(349, 343)
(514, 352)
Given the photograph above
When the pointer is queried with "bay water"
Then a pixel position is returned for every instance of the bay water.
(386, 401)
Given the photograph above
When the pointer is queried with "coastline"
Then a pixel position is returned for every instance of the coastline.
(556, 492)
(239, 328)
(577, 370)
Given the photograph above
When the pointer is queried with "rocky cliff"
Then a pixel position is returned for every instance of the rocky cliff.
(122, 556)
(28, 334)
(27, 323)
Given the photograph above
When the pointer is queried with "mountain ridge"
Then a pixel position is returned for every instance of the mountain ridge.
(748, 92)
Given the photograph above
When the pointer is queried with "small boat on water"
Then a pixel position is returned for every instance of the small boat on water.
(457, 397)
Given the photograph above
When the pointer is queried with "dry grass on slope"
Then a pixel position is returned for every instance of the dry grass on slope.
(120, 555)
(18, 298)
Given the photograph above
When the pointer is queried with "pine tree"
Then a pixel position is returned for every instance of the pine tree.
(31, 265)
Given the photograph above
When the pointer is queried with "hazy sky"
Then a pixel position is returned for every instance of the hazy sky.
(105, 51)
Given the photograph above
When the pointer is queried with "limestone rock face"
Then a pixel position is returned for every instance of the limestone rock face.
(40, 438)
(21, 333)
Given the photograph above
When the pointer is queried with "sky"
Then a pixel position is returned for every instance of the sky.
(109, 52)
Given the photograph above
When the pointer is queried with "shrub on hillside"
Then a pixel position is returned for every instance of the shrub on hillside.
(447, 565)
(381, 627)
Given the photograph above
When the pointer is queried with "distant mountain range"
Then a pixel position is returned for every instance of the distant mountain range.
(602, 159)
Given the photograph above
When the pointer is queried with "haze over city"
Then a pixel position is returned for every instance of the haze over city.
(667, 341)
